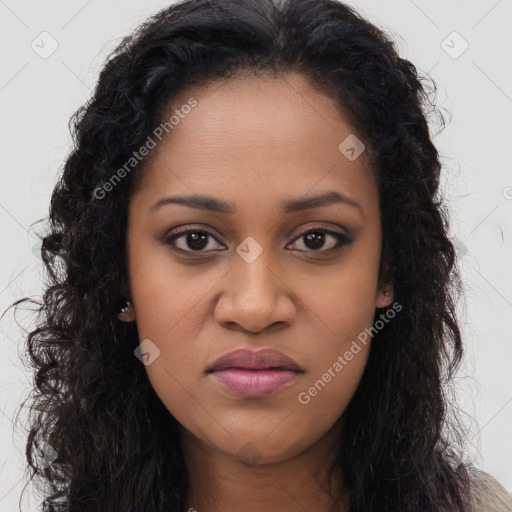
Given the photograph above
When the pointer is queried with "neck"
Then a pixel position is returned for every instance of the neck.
(220, 481)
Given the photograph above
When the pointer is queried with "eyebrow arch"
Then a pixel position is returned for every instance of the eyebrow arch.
(288, 206)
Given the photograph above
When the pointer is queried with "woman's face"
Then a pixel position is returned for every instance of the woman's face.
(266, 265)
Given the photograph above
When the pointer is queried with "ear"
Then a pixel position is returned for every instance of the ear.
(127, 314)
(385, 290)
(384, 296)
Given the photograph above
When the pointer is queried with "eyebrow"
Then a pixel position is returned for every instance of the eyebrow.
(288, 206)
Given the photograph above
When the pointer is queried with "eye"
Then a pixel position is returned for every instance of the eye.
(192, 240)
(315, 240)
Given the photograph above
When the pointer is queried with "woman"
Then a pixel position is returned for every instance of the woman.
(253, 291)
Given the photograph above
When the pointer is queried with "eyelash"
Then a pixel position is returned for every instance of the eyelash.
(343, 240)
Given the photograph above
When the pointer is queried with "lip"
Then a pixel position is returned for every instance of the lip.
(263, 359)
(254, 374)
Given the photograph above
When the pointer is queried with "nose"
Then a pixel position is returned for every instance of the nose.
(255, 297)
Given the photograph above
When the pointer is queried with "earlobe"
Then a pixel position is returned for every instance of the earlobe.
(385, 289)
(127, 314)
(385, 297)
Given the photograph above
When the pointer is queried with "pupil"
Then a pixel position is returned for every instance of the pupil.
(199, 239)
(317, 238)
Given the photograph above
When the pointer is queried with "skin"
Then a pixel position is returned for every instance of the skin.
(254, 142)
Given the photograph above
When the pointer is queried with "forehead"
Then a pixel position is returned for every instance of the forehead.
(259, 135)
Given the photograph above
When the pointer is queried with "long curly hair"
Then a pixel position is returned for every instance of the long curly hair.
(114, 444)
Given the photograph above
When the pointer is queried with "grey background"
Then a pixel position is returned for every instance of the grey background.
(38, 95)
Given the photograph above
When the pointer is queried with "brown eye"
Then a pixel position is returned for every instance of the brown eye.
(315, 240)
(191, 240)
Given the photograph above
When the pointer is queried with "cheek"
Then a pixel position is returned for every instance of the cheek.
(174, 330)
(339, 310)
(343, 312)
(338, 348)
(168, 313)
(168, 296)
(328, 387)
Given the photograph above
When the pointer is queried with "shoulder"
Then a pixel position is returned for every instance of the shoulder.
(488, 494)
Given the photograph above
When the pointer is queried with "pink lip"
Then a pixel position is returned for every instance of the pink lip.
(254, 383)
(254, 374)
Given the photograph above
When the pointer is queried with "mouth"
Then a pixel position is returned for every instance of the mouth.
(254, 374)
